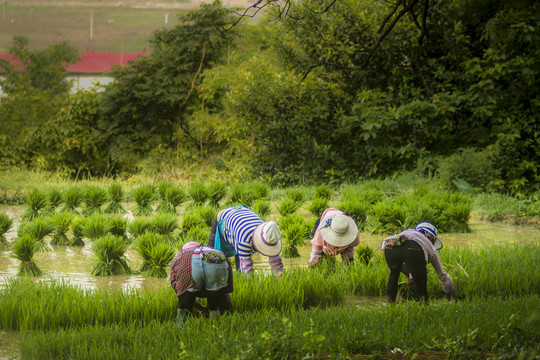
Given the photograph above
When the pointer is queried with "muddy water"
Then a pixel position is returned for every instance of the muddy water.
(74, 264)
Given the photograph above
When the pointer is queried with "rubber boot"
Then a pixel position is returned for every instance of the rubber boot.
(181, 317)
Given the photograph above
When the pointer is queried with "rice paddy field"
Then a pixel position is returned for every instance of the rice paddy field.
(60, 299)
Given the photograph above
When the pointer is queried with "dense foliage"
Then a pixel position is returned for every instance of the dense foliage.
(295, 100)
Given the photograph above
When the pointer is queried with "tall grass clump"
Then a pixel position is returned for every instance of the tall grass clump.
(61, 222)
(5, 225)
(144, 196)
(294, 235)
(116, 197)
(37, 229)
(165, 225)
(77, 226)
(94, 198)
(192, 219)
(357, 209)
(261, 207)
(170, 198)
(198, 234)
(364, 254)
(323, 192)
(207, 213)
(54, 201)
(97, 226)
(216, 192)
(110, 252)
(288, 206)
(144, 245)
(36, 202)
(160, 257)
(199, 193)
(390, 216)
(118, 227)
(246, 193)
(73, 197)
(23, 250)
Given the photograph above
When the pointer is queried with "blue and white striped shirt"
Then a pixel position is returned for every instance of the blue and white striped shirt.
(239, 225)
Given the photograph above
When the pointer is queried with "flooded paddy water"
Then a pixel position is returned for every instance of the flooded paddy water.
(74, 264)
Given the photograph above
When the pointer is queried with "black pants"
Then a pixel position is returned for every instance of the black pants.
(216, 300)
(411, 255)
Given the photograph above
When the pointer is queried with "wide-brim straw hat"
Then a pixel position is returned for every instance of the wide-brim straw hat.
(341, 231)
(267, 239)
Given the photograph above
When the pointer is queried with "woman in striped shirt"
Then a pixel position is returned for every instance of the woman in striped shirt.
(238, 231)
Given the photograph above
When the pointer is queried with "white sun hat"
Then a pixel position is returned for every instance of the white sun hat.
(267, 239)
(339, 231)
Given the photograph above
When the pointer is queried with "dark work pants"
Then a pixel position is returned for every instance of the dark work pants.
(411, 255)
(217, 300)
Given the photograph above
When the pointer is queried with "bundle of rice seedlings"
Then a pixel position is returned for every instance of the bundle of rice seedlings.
(207, 213)
(160, 256)
(5, 225)
(247, 193)
(364, 253)
(97, 226)
(217, 192)
(192, 219)
(73, 198)
(288, 206)
(61, 223)
(110, 251)
(116, 196)
(94, 198)
(77, 229)
(37, 229)
(198, 193)
(261, 207)
(357, 209)
(297, 195)
(171, 197)
(36, 202)
(391, 217)
(323, 192)
(23, 250)
(459, 216)
(55, 200)
(139, 227)
(294, 235)
(144, 245)
(165, 225)
(198, 234)
(317, 206)
(143, 196)
(118, 226)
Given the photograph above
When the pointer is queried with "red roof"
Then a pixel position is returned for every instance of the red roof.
(91, 62)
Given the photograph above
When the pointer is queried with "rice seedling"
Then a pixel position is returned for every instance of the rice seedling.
(143, 196)
(23, 250)
(323, 192)
(364, 254)
(5, 225)
(36, 202)
(118, 227)
(317, 206)
(37, 229)
(165, 225)
(97, 226)
(261, 207)
(419, 210)
(198, 193)
(247, 193)
(198, 234)
(54, 201)
(390, 216)
(116, 196)
(368, 191)
(110, 251)
(77, 229)
(160, 257)
(192, 219)
(171, 197)
(294, 235)
(288, 206)
(73, 197)
(207, 213)
(216, 192)
(139, 227)
(357, 209)
(144, 245)
(94, 198)
(61, 223)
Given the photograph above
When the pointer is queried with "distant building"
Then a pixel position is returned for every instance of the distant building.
(92, 69)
